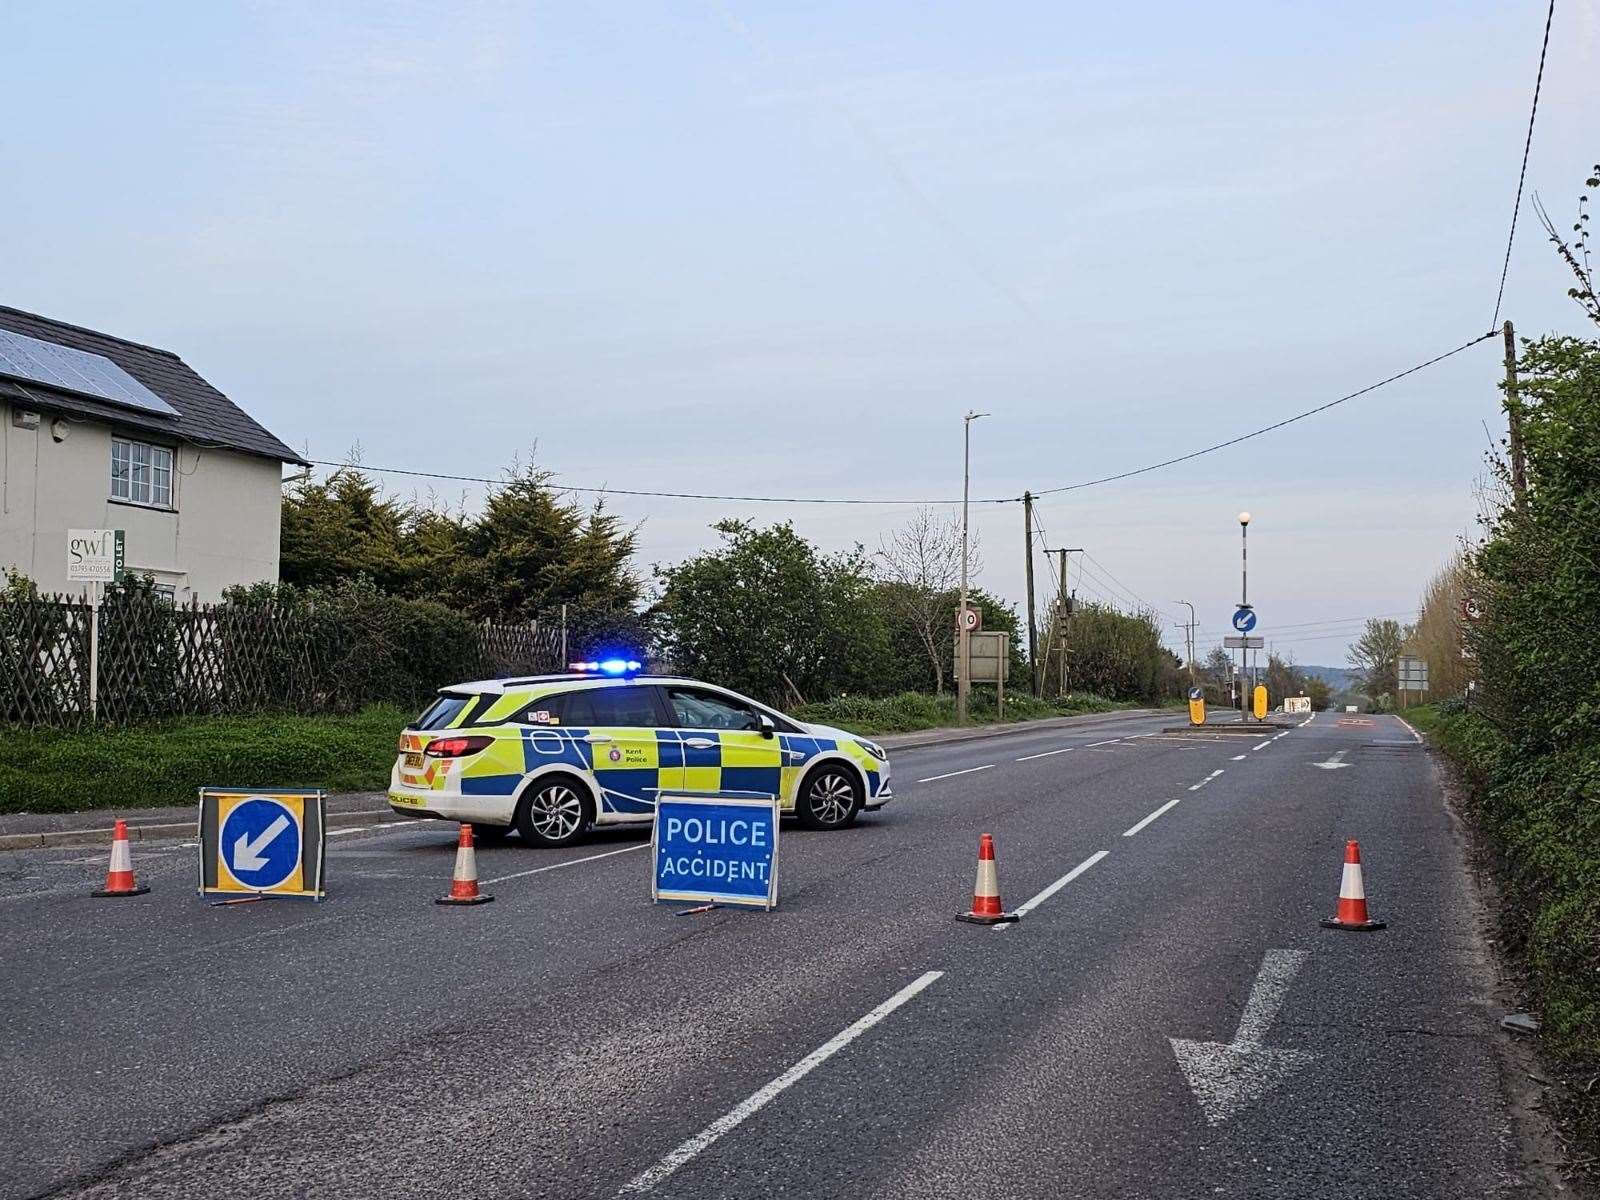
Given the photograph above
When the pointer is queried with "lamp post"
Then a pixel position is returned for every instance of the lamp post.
(1244, 602)
(963, 643)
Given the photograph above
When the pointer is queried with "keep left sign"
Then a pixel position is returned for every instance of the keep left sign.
(716, 847)
(269, 843)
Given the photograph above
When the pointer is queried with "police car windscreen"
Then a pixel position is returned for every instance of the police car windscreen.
(441, 712)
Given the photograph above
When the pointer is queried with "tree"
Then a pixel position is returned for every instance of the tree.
(1437, 638)
(1320, 693)
(767, 614)
(919, 566)
(1217, 672)
(529, 553)
(1375, 655)
(1575, 254)
(340, 528)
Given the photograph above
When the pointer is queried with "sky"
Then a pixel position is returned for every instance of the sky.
(781, 249)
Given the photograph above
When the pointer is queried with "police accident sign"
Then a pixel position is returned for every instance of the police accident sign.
(716, 847)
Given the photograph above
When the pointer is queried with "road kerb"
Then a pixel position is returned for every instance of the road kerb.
(163, 830)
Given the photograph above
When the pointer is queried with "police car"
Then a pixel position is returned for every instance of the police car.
(554, 755)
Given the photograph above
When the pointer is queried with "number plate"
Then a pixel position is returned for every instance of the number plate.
(413, 760)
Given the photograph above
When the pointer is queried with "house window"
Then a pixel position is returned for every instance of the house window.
(141, 473)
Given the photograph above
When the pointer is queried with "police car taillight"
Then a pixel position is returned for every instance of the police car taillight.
(456, 747)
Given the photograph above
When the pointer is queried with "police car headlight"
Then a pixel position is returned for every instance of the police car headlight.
(873, 749)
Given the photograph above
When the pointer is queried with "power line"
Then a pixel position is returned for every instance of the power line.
(613, 491)
(1372, 387)
(1522, 175)
(903, 503)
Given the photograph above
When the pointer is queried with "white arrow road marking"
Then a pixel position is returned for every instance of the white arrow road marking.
(1334, 763)
(247, 854)
(1228, 1078)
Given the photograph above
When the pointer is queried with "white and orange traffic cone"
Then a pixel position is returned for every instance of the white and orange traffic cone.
(464, 884)
(119, 875)
(986, 908)
(1352, 895)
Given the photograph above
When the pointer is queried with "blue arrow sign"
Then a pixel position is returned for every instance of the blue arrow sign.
(260, 842)
(1244, 619)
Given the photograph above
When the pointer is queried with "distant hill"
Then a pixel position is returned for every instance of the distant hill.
(1340, 679)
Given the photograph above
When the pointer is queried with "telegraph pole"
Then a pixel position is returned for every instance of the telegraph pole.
(1033, 625)
(963, 634)
(1188, 640)
(1063, 613)
(1519, 470)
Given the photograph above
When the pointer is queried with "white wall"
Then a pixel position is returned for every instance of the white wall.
(223, 529)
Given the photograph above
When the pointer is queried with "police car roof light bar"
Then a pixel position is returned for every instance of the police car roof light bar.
(607, 666)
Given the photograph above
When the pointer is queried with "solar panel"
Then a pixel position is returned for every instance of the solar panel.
(34, 361)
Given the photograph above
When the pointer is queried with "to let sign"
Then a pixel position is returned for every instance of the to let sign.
(716, 847)
(95, 555)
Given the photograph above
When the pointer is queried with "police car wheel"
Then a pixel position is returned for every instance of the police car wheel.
(553, 812)
(830, 798)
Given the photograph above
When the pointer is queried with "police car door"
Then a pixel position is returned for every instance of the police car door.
(618, 726)
(723, 747)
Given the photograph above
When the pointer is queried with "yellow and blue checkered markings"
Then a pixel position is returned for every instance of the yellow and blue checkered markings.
(630, 766)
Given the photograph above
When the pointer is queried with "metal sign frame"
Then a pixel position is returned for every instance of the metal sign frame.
(756, 800)
(313, 825)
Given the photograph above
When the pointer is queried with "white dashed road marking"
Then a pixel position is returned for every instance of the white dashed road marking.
(1263, 745)
(1169, 804)
(1029, 906)
(1046, 754)
(571, 862)
(1196, 787)
(764, 1096)
(1238, 758)
(953, 774)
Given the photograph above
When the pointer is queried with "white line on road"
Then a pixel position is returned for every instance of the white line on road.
(1046, 754)
(1237, 758)
(1196, 787)
(1263, 745)
(1151, 817)
(1409, 729)
(381, 825)
(953, 774)
(1276, 736)
(571, 862)
(1024, 909)
(764, 1096)
(1107, 742)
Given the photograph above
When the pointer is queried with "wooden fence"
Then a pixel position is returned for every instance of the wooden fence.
(158, 660)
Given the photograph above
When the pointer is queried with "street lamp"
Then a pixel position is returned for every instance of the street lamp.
(1244, 602)
(964, 646)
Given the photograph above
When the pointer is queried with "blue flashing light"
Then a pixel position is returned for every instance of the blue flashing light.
(613, 667)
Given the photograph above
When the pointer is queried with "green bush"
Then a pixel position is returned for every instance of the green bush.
(167, 762)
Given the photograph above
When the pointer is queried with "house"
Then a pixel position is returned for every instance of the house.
(101, 433)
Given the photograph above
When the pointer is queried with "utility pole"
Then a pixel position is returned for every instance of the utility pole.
(963, 634)
(1188, 640)
(1033, 625)
(1063, 614)
(1519, 470)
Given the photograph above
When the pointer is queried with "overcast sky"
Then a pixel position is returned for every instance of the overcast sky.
(781, 248)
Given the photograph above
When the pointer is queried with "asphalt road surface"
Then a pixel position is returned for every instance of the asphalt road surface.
(1167, 1020)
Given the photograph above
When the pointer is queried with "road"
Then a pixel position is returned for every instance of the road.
(571, 1040)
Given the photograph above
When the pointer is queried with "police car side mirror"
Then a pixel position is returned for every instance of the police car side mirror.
(764, 723)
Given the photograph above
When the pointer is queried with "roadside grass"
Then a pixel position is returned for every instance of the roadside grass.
(167, 762)
(1539, 821)
(911, 711)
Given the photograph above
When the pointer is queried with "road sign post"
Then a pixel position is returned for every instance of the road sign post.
(716, 848)
(267, 843)
(96, 557)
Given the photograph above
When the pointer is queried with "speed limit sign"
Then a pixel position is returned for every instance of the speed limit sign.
(969, 619)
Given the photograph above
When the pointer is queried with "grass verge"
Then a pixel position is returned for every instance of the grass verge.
(1538, 821)
(167, 762)
(911, 711)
